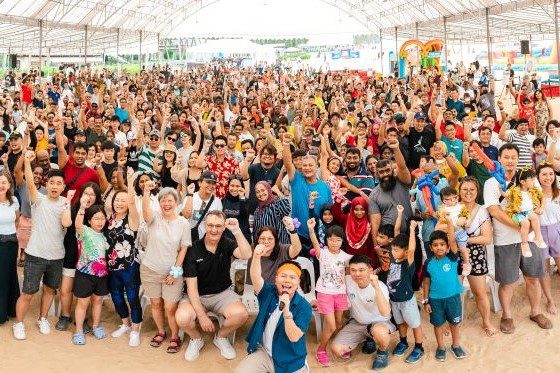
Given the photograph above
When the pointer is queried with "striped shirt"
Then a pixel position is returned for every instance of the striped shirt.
(145, 161)
(525, 145)
(271, 216)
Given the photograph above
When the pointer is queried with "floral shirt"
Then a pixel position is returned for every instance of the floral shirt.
(122, 248)
(228, 166)
(92, 247)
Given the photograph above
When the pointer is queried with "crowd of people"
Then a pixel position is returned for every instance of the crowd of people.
(147, 186)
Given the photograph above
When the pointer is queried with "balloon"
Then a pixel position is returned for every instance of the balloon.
(485, 160)
(426, 185)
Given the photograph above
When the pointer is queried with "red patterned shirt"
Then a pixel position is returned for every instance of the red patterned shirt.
(229, 166)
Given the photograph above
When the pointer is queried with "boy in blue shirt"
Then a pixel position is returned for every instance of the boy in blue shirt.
(442, 289)
(401, 294)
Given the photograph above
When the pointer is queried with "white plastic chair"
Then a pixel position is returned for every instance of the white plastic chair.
(307, 265)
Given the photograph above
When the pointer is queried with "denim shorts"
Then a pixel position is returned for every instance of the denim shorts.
(37, 269)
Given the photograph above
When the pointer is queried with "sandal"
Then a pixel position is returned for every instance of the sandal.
(99, 332)
(541, 321)
(174, 345)
(158, 339)
(79, 339)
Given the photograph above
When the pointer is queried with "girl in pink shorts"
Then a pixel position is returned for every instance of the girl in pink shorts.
(331, 288)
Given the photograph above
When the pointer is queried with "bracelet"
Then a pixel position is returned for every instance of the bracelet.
(175, 271)
(292, 231)
(288, 316)
(188, 195)
(425, 301)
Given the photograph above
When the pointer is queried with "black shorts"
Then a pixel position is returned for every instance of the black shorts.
(87, 285)
(39, 269)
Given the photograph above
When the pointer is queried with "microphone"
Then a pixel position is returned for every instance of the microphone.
(281, 305)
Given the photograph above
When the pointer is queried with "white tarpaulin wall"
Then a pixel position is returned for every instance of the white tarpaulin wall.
(231, 48)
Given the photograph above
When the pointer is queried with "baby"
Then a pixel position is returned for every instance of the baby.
(459, 216)
(525, 202)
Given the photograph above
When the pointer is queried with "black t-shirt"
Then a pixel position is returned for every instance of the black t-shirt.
(419, 144)
(258, 173)
(108, 168)
(211, 269)
(399, 280)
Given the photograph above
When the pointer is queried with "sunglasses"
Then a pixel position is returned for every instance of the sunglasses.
(171, 138)
(154, 138)
(220, 145)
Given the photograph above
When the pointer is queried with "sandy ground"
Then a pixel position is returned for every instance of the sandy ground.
(529, 349)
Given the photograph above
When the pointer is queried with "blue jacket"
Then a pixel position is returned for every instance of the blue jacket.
(287, 356)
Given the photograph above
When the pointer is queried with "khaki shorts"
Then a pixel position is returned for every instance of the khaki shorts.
(217, 303)
(259, 362)
(354, 333)
(155, 287)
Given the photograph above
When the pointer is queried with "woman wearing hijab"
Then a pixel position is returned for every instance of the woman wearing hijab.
(271, 211)
(357, 227)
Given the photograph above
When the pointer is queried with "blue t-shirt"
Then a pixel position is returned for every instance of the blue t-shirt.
(444, 281)
(300, 200)
(491, 151)
(454, 146)
(122, 114)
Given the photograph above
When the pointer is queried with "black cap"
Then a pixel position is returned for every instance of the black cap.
(15, 135)
(80, 133)
(209, 176)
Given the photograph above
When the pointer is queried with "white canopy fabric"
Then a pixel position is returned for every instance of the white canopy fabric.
(69, 27)
(226, 48)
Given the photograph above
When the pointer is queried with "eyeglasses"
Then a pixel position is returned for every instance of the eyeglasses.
(220, 145)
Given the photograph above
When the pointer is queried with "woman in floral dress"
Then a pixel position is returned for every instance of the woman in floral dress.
(542, 112)
(124, 270)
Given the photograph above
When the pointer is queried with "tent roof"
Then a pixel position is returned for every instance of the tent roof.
(64, 22)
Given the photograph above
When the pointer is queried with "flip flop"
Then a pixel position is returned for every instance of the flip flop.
(79, 339)
(158, 339)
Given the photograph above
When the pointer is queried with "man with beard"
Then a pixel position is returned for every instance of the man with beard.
(391, 191)
(356, 175)
(266, 170)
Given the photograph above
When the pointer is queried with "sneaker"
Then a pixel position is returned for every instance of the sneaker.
(122, 330)
(193, 349)
(134, 339)
(323, 358)
(225, 347)
(415, 355)
(381, 360)
(369, 346)
(458, 352)
(19, 331)
(400, 348)
(440, 354)
(62, 323)
(44, 326)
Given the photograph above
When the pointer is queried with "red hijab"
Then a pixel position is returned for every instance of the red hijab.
(271, 197)
(357, 230)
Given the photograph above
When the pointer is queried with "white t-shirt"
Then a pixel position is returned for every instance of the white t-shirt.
(47, 233)
(197, 211)
(363, 307)
(551, 212)
(333, 269)
(8, 216)
(503, 234)
(477, 221)
(269, 330)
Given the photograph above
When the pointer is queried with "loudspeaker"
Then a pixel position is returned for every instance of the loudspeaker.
(525, 47)
(13, 61)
